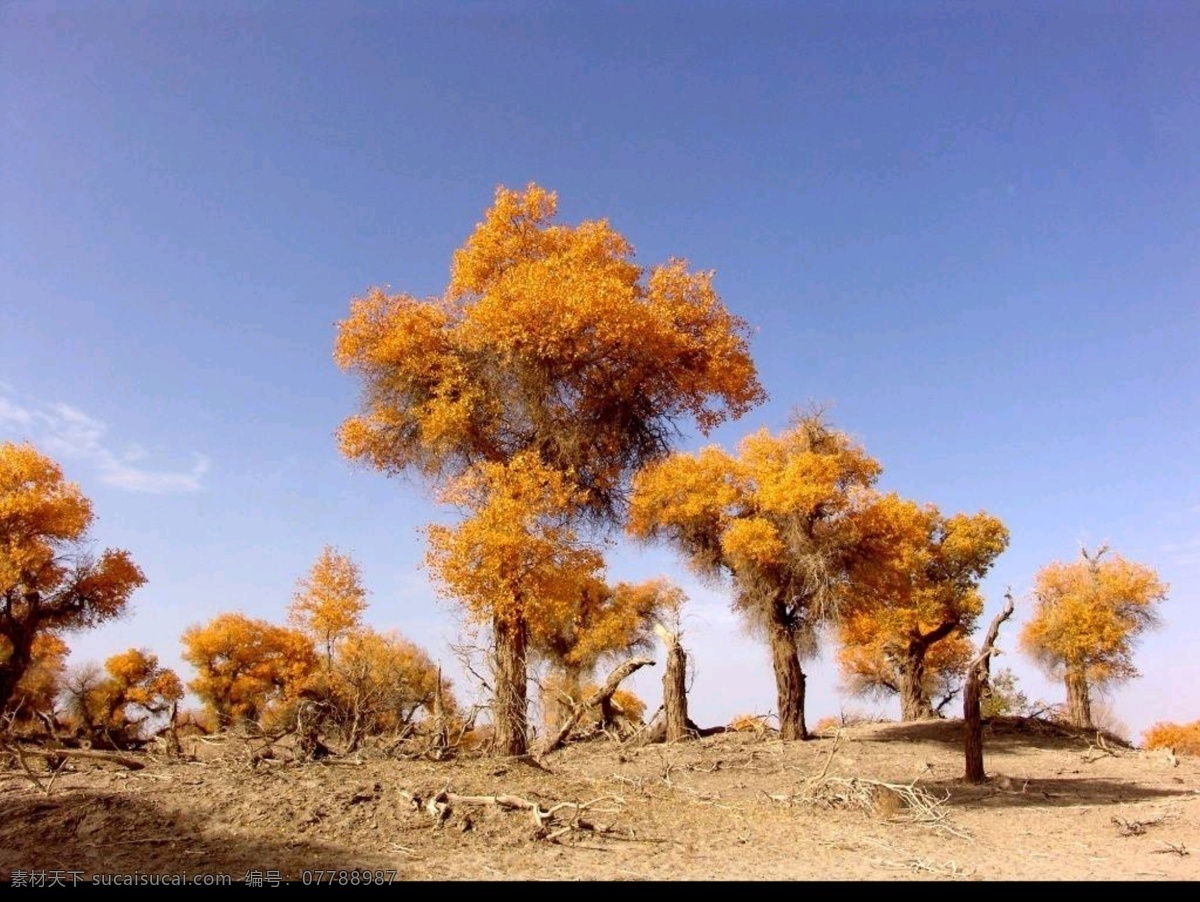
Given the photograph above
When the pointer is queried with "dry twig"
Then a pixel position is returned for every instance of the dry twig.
(551, 823)
(1134, 828)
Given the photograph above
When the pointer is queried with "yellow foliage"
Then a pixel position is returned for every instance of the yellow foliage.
(604, 622)
(516, 558)
(917, 595)
(380, 681)
(48, 580)
(549, 339)
(41, 682)
(828, 724)
(139, 680)
(753, 723)
(628, 703)
(115, 703)
(1090, 613)
(1183, 738)
(329, 602)
(245, 667)
(780, 517)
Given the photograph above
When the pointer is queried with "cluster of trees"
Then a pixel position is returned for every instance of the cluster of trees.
(51, 581)
(540, 395)
(356, 681)
(361, 681)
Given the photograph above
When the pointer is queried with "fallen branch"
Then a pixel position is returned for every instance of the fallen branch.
(892, 801)
(112, 758)
(551, 823)
(1134, 828)
(602, 695)
(33, 778)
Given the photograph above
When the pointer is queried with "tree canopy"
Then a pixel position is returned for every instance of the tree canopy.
(1088, 617)
(548, 340)
(329, 602)
(780, 518)
(550, 370)
(49, 578)
(916, 599)
(245, 667)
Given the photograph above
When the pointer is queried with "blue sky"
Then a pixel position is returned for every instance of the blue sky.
(970, 229)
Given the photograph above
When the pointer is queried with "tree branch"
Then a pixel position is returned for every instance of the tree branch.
(603, 694)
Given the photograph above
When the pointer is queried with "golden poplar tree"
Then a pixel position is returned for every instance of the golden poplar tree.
(1088, 617)
(246, 668)
(916, 600)
(329, 602)
(379, 683)
(550, 352)
(780, 519)
(49, 579)
(113, 704)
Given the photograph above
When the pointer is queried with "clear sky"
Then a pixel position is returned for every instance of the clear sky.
(972, 230)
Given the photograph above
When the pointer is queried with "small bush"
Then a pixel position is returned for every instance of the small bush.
(1183, 738)
(750, 723)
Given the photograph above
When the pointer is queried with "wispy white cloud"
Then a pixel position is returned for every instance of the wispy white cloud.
(11, 413)
(63, 431)
(1186, 553)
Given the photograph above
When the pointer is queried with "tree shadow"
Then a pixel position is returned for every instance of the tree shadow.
(1048, 793)
(78, 834)
(1004, 733)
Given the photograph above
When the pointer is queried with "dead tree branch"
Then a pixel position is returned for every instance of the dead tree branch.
(551, 823)
(977, 678)
(603, 694)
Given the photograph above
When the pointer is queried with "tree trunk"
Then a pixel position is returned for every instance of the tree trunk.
(441, 730)
(910, 666)
(19, 659)
(789, 678)
(510, 705)
(973, 725)
(1079, 702)
(675, 692)
(978, 670)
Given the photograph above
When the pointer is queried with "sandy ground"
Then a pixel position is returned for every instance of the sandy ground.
(730, 807)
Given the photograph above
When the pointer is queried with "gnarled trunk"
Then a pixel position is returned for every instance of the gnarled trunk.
(1079, 702)
(789, 678)
(510, 704)
(978, 671)
(910, 668)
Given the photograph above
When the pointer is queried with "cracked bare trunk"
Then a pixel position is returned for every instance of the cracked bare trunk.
(973, 723)
(510, 705)
(675, 693)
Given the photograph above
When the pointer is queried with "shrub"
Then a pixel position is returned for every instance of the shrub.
(1183, 738)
